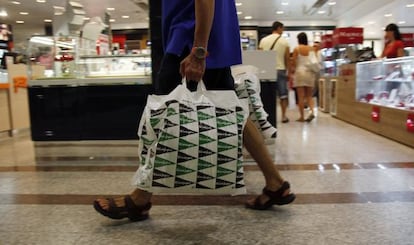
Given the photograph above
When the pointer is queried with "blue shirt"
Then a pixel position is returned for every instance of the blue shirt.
(178, 24)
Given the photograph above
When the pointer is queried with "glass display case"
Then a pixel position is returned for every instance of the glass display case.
(388, 82)
(92, 66)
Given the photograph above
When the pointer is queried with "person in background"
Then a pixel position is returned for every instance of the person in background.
(304, 79)
(276, 42)
(201, 41)
(317, 49)
(394, 46)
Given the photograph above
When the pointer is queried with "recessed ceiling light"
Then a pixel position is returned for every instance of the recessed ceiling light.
(3, 13)
(125, 16)
(48, 20)
(285, 3)
(24, 13)
(112, 20)
(239, 4)
(20, 21)
(371, 22)
(110, 9)
(86, 18)
(41, 1)
(387, 15)
(248, 17)
(410, 5)
(332, 3)
(280, 12)
(321, 12)
(239, 12)
(401, 22)
(15, 2)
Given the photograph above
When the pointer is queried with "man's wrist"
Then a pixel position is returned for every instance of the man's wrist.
(199, 52)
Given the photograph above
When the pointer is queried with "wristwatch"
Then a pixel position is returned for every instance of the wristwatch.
(199, 52)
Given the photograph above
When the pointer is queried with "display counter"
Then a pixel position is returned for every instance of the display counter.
(378, 96)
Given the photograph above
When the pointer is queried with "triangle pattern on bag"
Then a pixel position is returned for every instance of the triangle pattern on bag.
(166, 136)
(182, 157)
(168, 103)
(171, 112)
(240, 118)
(185, 108)
(169, 124)
(203, 107)
(223, 159)
(222, 112)
(203, 152)
(157, 174)
(223, 171)
(186, 132)
(158, 112)
(204, 116)
(202, 164)
(154, 121)
(222, 183)
(222, 146)
(162, 149)
(204, 127)
(207, 184)
(221, 123)
(179, 182)
(204, 139)
(161, 162)
(156, 184)
(184, 144)
(203, 177)
(181, 170)
(222, 134)
(186, 120)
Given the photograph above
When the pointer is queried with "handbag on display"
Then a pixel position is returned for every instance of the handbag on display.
(313, 64)
(191, 142)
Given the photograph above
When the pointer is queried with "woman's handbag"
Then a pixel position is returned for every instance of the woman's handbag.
(191, 142)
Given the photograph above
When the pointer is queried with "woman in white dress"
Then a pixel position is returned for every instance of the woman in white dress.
(304, 78)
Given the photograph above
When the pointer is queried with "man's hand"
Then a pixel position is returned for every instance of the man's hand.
(193, 68)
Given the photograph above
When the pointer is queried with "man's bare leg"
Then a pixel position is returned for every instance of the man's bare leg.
(254, 143)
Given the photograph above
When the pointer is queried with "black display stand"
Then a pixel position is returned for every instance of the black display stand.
(269, 99)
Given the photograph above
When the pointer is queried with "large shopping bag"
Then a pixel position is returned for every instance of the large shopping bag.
(247, 86)
(191, 142)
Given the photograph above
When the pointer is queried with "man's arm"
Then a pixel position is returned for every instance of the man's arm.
(192, 67)
(287, 58)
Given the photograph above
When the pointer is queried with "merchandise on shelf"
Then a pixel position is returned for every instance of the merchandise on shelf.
(388, 82)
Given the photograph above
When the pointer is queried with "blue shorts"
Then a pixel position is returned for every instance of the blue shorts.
(282, 84)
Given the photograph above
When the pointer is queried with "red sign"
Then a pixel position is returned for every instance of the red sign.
(410, 123)
(376, 113)
(408, 39)
(327, 41)
(348, 35)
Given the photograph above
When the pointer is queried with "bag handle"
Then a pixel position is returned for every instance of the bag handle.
(201, 87)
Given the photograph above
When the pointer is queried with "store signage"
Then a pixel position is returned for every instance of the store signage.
(408, 39)
(327, 41)
(410, 123)
(376, 113)
(348, 35)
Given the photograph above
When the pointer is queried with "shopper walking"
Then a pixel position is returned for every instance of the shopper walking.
(276, 42)
(304, 78)
(190, 28)
(394, 46)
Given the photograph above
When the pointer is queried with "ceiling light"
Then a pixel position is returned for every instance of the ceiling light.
(86, 18)
(280, 12)
(24, 13)
(20, 21)
(15, 2)
(285, 3)
(387, 15)
(248, 17)
(410, 5)
(48, 20)
(321, 12)
(371, 22)
(239, 12)
(3, 13)
(112, 20)
(239, 4)
(110, 9)
(125, 16)
(41, 1)
(401, 22)
(332, 3)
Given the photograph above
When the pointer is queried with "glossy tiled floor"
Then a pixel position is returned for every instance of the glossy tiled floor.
(353, 187)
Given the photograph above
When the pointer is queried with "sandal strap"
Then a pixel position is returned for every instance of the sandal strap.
(133, 209)
(113, 208)
(278, 193)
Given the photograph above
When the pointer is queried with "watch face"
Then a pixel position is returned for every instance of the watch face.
(200, 53)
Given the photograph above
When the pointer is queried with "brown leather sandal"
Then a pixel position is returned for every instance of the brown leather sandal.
(130, 210)
(275, 198)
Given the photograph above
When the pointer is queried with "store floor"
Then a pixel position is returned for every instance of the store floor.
(353, 187)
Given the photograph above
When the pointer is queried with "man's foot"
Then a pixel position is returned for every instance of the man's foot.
(285, 120)
(300, 120)
(268, 198)
(122, 207)
(310, 118)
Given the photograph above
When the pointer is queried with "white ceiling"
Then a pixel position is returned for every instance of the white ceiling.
(263, 12)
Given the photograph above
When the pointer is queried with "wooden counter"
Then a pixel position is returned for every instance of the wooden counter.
(392, 122)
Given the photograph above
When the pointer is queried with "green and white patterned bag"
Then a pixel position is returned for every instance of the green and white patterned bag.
(191, 142)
